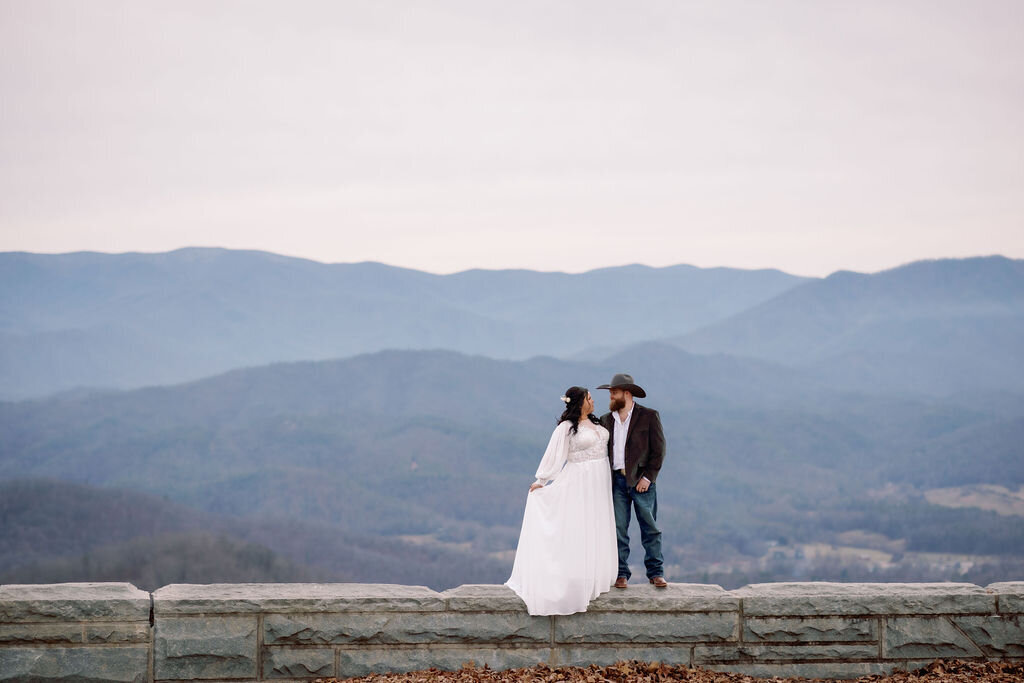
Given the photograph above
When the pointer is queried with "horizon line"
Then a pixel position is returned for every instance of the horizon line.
(498, 270)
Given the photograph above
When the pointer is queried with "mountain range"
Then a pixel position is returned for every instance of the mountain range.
(91, 320)
(131, 320)
(928, 327)
(302, 427)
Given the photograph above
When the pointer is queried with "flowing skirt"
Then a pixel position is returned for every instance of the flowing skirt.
(567, 554)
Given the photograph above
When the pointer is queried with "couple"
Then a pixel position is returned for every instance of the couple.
(591, 476)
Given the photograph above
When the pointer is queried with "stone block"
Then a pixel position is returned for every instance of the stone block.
(607, 656)
(483, 598)
(92, 633)
(925, 637)
(205, 648)
(99, 633)
(646, 627)
(809, 629)
(678, 597)
(719, 654)
(852, 599)
(236, 598)
(361, 662)
(1010, 595)
(303, 662)
(399, 627)
(80, 664)
(66, 602)
(997, 636)
(15, 634)
(838, 670)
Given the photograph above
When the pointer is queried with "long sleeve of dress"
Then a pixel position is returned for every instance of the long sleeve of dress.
(556, 454)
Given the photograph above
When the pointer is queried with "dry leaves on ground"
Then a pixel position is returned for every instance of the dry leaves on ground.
(954, 671)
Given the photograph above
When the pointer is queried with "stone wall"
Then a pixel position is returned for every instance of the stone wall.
(297, 632)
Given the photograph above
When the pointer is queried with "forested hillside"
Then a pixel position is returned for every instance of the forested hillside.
(437, 449)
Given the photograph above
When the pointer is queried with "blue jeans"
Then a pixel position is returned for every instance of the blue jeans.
(625, 497)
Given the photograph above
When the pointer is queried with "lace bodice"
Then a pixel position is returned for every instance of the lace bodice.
(590, 442)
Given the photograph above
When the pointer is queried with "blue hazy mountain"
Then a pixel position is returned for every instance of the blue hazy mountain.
(440, 446)
(785, 418)
(930, 327)
(130, 320)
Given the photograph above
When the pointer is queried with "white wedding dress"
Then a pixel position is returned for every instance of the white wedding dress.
(567, 554)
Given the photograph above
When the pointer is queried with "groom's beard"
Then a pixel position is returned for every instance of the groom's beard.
(617, 404)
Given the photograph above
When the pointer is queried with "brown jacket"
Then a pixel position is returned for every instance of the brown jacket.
(645, 443)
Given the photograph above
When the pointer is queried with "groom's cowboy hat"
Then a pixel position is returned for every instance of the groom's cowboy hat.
(623, 381)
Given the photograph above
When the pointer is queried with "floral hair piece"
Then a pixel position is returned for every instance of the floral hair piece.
(565, 399)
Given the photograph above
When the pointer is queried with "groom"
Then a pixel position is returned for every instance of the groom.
(636, 448)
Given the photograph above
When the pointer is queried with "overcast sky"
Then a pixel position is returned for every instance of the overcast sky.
(439, 135)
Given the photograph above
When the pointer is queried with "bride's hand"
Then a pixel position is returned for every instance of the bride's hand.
(534, 486)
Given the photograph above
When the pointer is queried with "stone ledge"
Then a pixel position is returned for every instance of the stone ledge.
(678, 597)
(256, 632)
(242, 598)
(69, 602)
(859, 599)
(480, 597)
(1010, 595)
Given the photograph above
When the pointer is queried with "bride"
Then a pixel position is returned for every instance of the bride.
(567, 552)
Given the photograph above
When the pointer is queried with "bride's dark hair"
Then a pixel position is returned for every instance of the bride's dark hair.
(576, 396)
